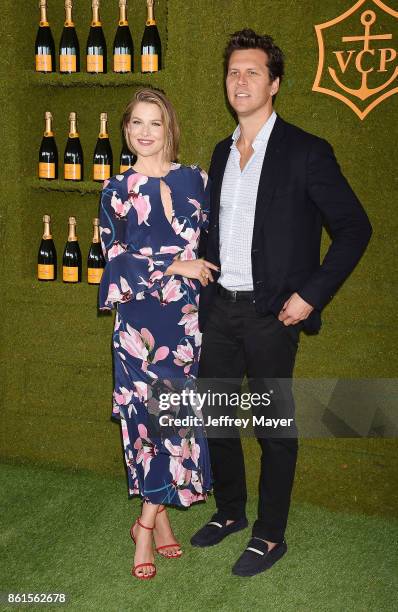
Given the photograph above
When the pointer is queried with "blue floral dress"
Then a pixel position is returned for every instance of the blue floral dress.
(156, 339)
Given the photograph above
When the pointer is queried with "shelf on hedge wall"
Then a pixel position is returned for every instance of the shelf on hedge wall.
(83, 79)
(60, 185)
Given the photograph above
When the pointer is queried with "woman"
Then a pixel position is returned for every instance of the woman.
(151, 217)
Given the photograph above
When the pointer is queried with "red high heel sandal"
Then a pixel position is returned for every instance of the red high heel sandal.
(177, 553)
(136, 567)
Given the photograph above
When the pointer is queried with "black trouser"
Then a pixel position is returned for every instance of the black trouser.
(237, 341)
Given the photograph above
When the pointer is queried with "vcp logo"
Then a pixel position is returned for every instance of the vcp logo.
(358, 57)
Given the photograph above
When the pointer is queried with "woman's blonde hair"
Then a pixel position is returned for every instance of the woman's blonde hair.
(171, 127)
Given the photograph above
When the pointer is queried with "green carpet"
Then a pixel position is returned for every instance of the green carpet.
(68, 532)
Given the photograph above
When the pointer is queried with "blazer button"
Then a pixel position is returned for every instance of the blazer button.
(259, 282)
(254, 250)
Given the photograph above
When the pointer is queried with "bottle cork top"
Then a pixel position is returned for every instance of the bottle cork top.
(149, 2)
(42, 3)
(68, 4)
(95, 221)
(95, 3)
(46, 218)
(72, 220)
(104, 116)
(122, 3)
(48, 115)
(72, 117)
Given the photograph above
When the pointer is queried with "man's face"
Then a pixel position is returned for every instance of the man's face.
(249, 87)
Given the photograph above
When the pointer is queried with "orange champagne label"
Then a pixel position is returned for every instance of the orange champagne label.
(46, 170)
(70, 274)
(122, 62)
(43, 63)
(101, 172)
(124, 168)
(95, 63)
(45, 271)
(67, 63)
(72, 171)
(94, 275)
(149, 63)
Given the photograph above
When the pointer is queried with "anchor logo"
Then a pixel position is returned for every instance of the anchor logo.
(360, 76)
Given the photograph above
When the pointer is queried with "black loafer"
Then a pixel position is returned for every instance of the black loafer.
(216, 530)
(256, 558)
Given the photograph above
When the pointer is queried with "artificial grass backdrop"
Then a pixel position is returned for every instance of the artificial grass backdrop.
(56, 357)
(69, 532)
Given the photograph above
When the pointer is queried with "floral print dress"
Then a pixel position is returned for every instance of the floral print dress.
(156, 340)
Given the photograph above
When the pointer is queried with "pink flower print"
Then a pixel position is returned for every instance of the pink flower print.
(205, 177)
(190, 320)
(196, 482)
(180, 479)
(134, 182)
(171, 292)
(174, 450)
(116, 250)
(141, 390)
(170, 249)
(124, 294)
(146, 449)
(124, 396)
(197, 206)
(121, 208)
(177, 226)
(141, 345)
(184, 356)
(142, 206)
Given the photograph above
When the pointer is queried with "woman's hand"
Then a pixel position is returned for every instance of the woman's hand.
(195, 268)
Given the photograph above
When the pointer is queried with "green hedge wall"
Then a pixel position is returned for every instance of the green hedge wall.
(56, 348)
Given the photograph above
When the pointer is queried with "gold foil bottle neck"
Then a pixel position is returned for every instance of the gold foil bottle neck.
(122, 3)
(42, 4)
(48, 116)
(46, 218)
(68, 4)
(95, 4)
(72, 117)
(104, 117)
(72, 220)
(96, 222)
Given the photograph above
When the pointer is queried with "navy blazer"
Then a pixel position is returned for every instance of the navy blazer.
(301, 189)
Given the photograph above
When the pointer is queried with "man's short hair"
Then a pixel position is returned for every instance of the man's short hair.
(248, 39)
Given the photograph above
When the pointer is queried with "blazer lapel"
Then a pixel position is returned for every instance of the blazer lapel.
(269, 174)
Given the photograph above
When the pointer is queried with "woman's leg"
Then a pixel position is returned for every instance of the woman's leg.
(164, 536)
(144, 538)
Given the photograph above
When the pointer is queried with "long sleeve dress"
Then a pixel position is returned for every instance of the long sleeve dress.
(156, 340)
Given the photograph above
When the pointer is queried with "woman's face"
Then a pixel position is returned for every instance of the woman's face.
(146, 129)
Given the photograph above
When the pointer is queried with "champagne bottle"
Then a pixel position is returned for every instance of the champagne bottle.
(96, 44)
(127, 158)
(47, 257)
(73, 156)
(72, 258)
(123, 49)
(69, 50)
(95, 259)
(103, 158)
(48, 154)
(44, 45)
(151, 48)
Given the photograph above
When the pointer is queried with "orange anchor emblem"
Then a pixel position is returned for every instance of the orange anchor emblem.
(369, 62)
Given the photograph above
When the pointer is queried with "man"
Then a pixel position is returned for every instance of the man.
(273, 186)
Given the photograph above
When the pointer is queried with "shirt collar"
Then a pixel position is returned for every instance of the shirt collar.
(262, 136)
